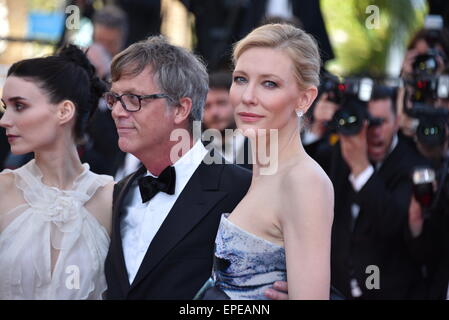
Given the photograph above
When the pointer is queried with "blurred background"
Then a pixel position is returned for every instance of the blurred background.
(385, 69)
(30, 28)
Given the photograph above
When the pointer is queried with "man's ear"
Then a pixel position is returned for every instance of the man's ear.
(66, 111)
(306, 99)
(183, 110)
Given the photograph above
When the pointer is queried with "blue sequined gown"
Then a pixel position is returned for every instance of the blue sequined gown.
(245, 265)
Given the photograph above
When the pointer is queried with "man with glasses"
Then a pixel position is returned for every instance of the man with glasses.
(164, 228)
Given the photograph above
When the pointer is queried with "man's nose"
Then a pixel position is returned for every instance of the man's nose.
(118, 110)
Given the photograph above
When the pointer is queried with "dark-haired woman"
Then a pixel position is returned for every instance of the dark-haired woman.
(54, 212)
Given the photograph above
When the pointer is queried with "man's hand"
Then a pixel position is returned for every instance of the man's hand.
(355, 151)
(278, 292)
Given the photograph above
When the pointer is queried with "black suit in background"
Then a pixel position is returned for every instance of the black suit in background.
(431, 248)
(4, 147)
(376, 237)
(179, 259)
(144, 19)
(102, 152)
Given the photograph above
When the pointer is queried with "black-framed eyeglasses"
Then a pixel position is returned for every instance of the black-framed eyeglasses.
(131, 102)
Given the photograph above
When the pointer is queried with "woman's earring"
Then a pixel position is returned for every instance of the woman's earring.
(299, 113)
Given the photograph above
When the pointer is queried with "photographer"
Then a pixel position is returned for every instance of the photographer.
(426, 54)
(428, 211)
(429, 239)
(370, 168)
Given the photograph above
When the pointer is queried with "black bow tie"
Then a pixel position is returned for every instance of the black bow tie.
(149, 186)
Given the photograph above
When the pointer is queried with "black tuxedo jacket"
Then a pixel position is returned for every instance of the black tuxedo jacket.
(431, 249)
(179, 259)
(376, 237)
(244, 153)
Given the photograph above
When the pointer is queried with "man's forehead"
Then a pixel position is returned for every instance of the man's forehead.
(141, 82)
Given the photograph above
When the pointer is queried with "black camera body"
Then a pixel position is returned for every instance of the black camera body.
(338, 91)
(428, 88)
(427, 63)
(433, 121)
(352, 95)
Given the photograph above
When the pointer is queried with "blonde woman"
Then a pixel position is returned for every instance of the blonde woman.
(281, 229)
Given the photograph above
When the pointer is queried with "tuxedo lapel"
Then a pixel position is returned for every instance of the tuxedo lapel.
(121, 198)
(196, 200)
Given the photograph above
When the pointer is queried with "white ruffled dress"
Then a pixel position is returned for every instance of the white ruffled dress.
(51, 247)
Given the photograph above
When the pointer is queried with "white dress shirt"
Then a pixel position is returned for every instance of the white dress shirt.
(141, 221)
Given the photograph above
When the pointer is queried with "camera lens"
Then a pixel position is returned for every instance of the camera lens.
(431, 132)
(349, 119)
(425, 64)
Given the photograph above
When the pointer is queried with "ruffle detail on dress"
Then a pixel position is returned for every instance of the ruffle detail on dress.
(55, 222)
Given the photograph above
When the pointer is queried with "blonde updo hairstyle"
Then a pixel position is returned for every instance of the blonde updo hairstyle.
(297, 44)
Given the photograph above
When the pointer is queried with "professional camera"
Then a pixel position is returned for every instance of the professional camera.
(352, 94)
(432, 128)
(427, 89)
(424, 92)
(348, 120)
(427, 63)
(338, 91)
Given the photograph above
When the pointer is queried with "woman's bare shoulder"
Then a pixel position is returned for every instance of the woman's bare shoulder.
(102, 199)
(105, 193)
(307, 186)
(307, 176)
(101, 205)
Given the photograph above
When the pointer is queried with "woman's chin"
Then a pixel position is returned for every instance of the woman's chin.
(247, 128)
(19, 151)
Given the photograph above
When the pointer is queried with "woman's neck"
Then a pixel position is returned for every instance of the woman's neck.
(279, 149)
(60, 165)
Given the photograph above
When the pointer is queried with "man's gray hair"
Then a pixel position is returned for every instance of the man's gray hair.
(112, 17)
(176, 71)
